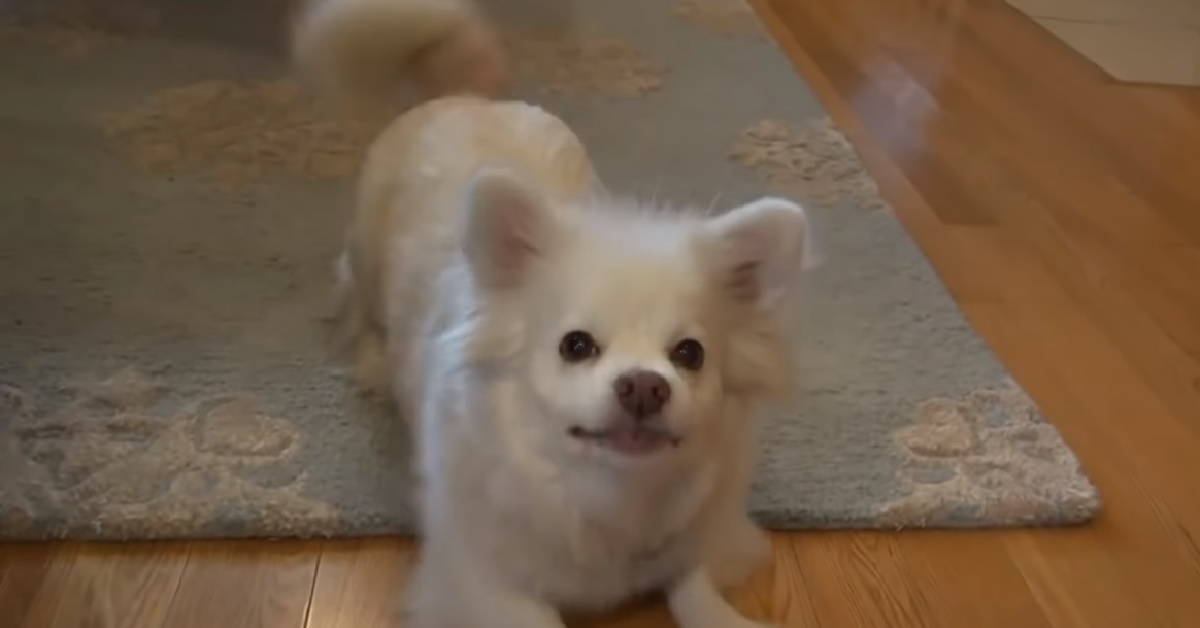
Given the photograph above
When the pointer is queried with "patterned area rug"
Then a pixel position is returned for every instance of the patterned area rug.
(171, 203)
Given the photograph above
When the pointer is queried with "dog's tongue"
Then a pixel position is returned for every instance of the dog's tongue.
(634, 440)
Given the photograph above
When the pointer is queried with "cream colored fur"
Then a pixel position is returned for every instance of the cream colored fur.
(360, 51)
(482, 237)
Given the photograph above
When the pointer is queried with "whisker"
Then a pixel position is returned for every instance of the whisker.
(712, 205)
(654, 194)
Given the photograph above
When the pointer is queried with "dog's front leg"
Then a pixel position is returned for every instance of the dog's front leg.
(471, 599)
(738, 548)
(695, 602)
(509, 609)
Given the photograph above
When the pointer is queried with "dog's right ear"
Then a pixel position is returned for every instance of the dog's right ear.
(508, 227)
(756, 250)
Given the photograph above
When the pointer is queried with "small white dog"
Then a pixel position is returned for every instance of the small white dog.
(582, 372)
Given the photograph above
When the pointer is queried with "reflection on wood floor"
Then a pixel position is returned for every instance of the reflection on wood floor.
(1063, 212)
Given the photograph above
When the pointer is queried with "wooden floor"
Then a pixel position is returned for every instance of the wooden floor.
(1063, 212)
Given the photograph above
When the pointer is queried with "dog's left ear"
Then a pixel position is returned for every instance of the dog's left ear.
(756, 251)
(508, 227)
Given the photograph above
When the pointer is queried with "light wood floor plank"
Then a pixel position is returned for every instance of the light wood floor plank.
(360, 584)
(110, 586)
(262, 585)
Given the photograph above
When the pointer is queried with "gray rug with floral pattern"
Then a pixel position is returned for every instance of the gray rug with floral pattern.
(171, 202)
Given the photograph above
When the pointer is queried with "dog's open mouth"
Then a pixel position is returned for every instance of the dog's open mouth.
(630, 440)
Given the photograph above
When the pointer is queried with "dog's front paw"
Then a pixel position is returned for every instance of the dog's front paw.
(696, 603)
(740, 551)
(743, 622)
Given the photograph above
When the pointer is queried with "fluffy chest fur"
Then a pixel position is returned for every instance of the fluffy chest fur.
(581, 538)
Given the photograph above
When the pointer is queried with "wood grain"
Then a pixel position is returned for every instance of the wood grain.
(360, 585)
(25, 570)
(109, 586)
(1060, 210)
(252, 586)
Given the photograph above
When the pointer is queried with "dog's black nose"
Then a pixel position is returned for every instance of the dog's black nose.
(642, 393)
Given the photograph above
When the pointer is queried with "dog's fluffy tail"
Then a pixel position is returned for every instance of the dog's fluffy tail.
(358, 51)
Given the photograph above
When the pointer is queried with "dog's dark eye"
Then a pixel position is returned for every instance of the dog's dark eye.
(578, 346)
(688, 354)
